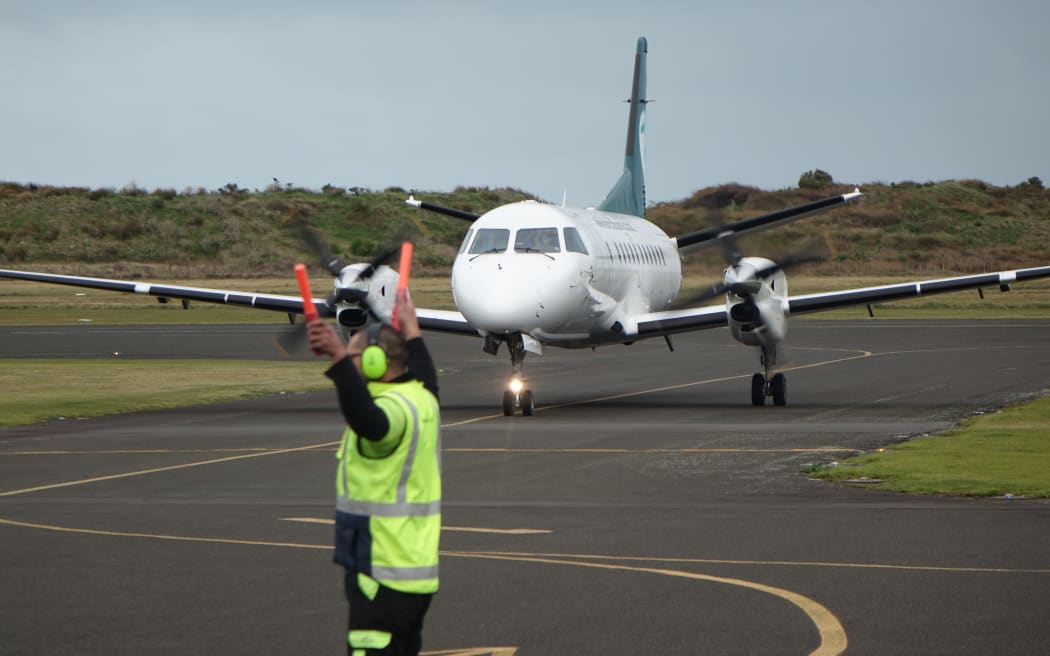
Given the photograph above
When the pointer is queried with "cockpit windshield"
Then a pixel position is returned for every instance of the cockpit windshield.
(490, 240)
(573, 242)
(537, 240)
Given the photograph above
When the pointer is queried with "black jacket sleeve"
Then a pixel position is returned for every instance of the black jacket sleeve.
(360, 411)
(421, 365)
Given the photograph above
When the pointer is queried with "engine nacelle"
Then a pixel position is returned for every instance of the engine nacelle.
(757, 306)
(357, 298)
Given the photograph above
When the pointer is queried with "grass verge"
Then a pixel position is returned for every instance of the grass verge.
(35, 390)
(1004, 453)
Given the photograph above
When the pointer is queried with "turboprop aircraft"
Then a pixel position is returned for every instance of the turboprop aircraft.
(532, 275)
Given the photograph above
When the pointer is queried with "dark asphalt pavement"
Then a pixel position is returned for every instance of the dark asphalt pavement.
(647, 508)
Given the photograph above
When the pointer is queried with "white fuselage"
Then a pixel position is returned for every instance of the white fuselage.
(564, 276)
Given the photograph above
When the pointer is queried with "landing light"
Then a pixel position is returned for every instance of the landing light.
(515, 385)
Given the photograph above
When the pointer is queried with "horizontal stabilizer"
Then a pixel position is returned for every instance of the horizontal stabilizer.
(710, 236)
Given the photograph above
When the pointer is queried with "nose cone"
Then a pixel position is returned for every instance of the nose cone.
(512, 292)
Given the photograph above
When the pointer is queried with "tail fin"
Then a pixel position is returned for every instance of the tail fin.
(628, 195)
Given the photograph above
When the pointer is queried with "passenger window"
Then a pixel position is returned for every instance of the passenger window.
(466, 241)
(573, 241)
(537, 240)
(490, 240)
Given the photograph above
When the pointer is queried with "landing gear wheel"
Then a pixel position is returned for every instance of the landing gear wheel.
(508, 403)
(758, 389)
(778, 387)
(526, 403)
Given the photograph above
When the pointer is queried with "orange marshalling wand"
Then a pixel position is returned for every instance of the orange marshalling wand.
(309, 310)
(403, 270)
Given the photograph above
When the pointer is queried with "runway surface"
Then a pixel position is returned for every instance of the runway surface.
(646, 508)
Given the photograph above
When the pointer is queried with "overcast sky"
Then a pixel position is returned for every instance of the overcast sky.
(431, 95)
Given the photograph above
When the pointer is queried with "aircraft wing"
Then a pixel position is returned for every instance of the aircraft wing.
(433, 320)
(668, 322)
(709, 236)
(830, 300)
(444, 321)
(278, 303)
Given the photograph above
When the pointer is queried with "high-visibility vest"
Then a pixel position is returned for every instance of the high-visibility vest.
(388, 509)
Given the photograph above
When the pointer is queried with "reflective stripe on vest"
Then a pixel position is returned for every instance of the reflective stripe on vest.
(404, 573)
(380, 509)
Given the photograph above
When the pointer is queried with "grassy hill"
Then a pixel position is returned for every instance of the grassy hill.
(929, 229)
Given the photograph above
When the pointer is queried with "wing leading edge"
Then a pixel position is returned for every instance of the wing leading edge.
(830, 300)
(275, 302)
(657, 324)
(708, 236)
(435, 320)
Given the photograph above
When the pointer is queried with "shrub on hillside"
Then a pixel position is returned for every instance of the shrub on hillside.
(815, 179)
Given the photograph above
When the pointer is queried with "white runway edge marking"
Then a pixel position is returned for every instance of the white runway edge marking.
(461, 529)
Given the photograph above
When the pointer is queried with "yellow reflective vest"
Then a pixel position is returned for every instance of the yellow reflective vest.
(388, 507)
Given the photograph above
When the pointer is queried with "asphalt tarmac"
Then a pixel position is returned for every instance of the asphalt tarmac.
(647, 507)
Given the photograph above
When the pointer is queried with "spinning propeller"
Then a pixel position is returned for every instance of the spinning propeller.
(349, 291)
(349, 301)
(742, 278)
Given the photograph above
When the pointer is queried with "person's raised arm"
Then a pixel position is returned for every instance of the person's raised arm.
(419, 361)
(361, 413)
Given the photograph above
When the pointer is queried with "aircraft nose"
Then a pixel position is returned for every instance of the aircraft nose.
(514, 292)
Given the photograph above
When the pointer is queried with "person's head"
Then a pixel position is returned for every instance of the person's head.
(369, 349)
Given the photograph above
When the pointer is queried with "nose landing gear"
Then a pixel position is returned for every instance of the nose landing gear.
(763, 385)
(518, 397)
(776, 387)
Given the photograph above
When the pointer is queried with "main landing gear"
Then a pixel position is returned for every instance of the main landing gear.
(762, 385)
(517, 396)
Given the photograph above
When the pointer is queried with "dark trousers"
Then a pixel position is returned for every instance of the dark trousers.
(398, 613)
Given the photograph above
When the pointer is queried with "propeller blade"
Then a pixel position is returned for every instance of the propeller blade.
(291, 341)
(378, 261)
(726, 239)
(747, 288)
(322, 250)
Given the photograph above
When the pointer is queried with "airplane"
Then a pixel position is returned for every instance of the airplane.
(532, 275)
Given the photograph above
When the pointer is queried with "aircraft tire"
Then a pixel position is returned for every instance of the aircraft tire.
(527, 403)
(758, 390)
(779, 388)
(508, 403)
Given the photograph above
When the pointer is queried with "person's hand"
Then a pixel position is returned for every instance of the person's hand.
(406, 313)
(324, 340)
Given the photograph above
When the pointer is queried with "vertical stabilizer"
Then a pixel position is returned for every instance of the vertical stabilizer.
(628, 195)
